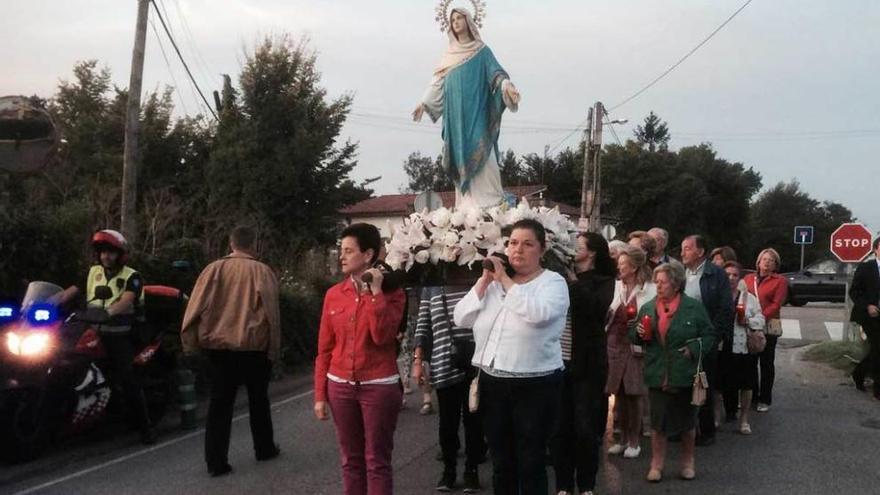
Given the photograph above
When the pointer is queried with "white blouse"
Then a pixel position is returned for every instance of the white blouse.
(517, 332)
(754, 319)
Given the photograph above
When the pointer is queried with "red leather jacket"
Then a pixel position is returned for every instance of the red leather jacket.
(357, 338)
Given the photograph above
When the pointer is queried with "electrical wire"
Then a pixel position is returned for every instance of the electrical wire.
(682, 59)
(168, 65)
(182, 60)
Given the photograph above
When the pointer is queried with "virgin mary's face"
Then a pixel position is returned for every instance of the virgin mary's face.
(459, 26)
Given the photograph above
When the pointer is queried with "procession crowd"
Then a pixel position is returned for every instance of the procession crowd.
(527, 359)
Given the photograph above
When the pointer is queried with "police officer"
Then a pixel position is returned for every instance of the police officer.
(126, 309)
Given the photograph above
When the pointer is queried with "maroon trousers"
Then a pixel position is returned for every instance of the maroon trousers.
(365, 417)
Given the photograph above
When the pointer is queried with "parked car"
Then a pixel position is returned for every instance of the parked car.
(822, 281)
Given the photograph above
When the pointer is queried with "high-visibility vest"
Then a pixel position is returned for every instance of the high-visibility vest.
(117, 285)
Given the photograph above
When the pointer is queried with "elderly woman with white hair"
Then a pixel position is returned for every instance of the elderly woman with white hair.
(675, 330)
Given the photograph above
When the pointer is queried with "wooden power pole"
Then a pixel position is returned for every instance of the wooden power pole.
(131, 155)
(596, 200)
(591, 186)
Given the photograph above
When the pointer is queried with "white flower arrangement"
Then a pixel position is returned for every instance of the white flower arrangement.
(469, 234)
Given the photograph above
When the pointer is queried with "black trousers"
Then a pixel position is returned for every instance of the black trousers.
(453, 404)
(121, 351)
(229, 369)
(707, 410)
(578, 437)
(870, 365)
(767, 367)
(519, 415)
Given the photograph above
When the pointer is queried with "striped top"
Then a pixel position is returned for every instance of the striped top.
(432, 334)
(565, 339)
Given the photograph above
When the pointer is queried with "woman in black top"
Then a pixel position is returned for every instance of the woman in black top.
(584, 402)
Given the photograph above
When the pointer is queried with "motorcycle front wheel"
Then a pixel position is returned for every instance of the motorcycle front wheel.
(25, 426)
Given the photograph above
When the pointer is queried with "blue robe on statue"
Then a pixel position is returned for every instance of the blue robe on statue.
(472, 109)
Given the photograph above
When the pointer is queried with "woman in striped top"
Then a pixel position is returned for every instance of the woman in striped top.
(435, 337)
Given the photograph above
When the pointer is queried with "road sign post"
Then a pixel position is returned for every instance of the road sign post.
(850, 243)
(803, 235)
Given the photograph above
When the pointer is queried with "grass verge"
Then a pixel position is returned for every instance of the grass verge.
(840, 355)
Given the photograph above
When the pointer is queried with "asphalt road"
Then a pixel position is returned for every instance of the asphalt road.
(821, 436)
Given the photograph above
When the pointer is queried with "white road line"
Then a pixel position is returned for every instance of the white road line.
(791, 329)
(145, 451)
(835, 330)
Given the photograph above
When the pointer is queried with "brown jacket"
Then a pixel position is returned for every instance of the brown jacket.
(234, 306)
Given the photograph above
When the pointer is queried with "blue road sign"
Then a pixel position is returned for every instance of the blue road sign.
(803, 234)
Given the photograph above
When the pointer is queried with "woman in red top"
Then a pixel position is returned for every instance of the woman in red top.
(356, 368)
(772, 291)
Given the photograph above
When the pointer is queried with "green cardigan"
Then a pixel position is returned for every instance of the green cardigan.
(689, 327)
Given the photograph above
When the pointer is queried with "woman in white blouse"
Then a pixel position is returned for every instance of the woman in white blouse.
(738, 368)
(517, 321)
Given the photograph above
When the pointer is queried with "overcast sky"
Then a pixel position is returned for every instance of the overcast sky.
(789, 87)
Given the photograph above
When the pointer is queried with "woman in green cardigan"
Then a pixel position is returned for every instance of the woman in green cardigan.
(678, 330)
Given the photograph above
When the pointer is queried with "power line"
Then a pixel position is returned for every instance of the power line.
(182, 61)
(613, 132)
(682, 59)
(168, 65)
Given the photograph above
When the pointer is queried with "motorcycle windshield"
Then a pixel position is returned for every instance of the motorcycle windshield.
(38, 292)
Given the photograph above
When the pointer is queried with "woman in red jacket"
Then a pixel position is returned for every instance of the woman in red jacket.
(772, 291)
(356, 369)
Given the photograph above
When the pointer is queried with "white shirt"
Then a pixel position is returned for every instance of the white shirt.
(754, 319)
(692, 287)
(517, 331)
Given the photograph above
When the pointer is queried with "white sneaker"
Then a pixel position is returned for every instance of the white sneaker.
(763, 407)
(632, 452)
(563, 492)
(616, 449)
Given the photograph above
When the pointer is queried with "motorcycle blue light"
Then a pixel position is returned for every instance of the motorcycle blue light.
(6, 312)
(42, 314)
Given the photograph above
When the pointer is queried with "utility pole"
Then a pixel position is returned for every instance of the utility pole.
(596, 203)
(591, 186)
(131, 153)
(586, 196)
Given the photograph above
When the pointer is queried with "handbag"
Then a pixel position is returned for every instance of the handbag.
(774, 325)
(756, 341)
(701, 381)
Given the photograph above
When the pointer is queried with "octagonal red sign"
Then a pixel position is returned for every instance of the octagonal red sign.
(851, 242)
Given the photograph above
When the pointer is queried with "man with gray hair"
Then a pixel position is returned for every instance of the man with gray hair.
(661, 238)
(708, 284)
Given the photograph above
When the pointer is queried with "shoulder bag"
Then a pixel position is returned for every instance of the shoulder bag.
(774, 325)
(756, 341)
(701, 382)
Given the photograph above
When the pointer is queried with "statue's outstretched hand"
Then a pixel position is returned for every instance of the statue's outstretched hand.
(418, 112)
(512, 93)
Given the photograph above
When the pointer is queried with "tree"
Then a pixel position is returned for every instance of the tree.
(426, 174)
(276, 162)
(778, 210)
(654, 134)
(691, 191)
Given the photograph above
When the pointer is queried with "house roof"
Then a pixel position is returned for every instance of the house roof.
(402, 204)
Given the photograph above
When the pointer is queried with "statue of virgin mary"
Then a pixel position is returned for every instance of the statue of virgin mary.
(470, 90)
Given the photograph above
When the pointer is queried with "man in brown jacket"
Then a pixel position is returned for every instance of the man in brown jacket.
(233, 316)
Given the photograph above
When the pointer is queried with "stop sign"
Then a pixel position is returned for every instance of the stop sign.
(851, 242)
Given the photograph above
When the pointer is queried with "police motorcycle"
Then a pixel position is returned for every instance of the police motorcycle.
(53, 371)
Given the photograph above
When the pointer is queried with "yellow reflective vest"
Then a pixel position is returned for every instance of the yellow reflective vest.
(117, 285)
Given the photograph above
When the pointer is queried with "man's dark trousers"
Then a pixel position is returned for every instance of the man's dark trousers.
(870, 365)
(229, 369)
